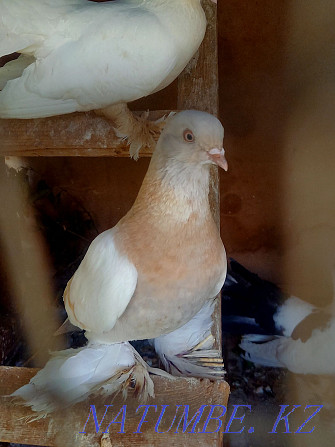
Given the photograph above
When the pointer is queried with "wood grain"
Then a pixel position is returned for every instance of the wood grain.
(76, 134)
(198, 88)
(62, 429)
(198, 85)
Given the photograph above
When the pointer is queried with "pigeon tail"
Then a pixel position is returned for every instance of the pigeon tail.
(262, 349)
(73, 374)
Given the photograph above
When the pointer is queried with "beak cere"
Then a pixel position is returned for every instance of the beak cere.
(217, 157)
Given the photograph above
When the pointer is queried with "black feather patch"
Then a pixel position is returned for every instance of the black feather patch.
(245, 294)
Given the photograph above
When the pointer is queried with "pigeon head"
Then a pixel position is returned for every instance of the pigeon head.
(194, 138)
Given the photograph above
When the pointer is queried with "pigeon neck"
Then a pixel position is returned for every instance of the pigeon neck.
(188, 181)
(182, 189)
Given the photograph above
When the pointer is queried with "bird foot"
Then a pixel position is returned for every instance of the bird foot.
(144, 133)
(106, 441)
(206, 362)
(137, 130)
(209, 360)
(136, 378)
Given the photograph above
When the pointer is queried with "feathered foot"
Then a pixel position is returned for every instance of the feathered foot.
(188, 351)
(105, 441)
(70, 376)
(201, 361)
(137, 130)
(136, 377)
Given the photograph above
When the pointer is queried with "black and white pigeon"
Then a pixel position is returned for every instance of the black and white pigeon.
(278, 330)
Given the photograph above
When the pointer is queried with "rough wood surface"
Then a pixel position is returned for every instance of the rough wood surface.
(76, 134)
(198, 88)
(62, 430)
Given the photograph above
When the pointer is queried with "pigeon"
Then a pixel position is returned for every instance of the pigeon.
(155, 274)
(279, 330)
(79, 55)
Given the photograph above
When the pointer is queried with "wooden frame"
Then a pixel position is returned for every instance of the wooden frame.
(88, 135)
(63, 428)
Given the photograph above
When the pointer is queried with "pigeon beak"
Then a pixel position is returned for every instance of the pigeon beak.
(217, 156)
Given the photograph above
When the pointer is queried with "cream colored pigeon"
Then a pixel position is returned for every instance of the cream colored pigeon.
(152, 276)
(78, 55)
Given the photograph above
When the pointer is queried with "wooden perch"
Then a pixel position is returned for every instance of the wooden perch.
(76, 134)
(63, 428)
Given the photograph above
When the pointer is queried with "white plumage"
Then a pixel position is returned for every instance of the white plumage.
(106, 275)
(79, 55)
(189, 350)
(71, 375)
(155, 273)
(313, 356)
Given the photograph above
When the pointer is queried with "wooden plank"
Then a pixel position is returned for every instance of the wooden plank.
(198, 88)
(76, 134)
(62, 429)
(198, 84)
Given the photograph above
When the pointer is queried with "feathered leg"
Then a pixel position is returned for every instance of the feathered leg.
(73, 374)
(137, 130)
(189, 350)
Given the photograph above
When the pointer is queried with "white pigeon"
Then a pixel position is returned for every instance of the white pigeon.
(281, 331)
(152, 276)
(78, 55)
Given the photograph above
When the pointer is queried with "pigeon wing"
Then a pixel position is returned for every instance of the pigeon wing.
(95, 57)
(100, 290)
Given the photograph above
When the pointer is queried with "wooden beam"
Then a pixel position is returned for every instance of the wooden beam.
(62, 429)
(198, 84)
(74, 135)
(198, 88)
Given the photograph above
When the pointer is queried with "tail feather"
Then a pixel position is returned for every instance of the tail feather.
(71, 375)
(261, 350)
(66, 327)
(236, 324)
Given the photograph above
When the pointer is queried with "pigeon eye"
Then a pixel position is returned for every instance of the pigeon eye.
(188, 136)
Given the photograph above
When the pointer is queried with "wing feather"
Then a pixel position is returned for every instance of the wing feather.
(25, 23)
(100, 290)
(97, 55)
